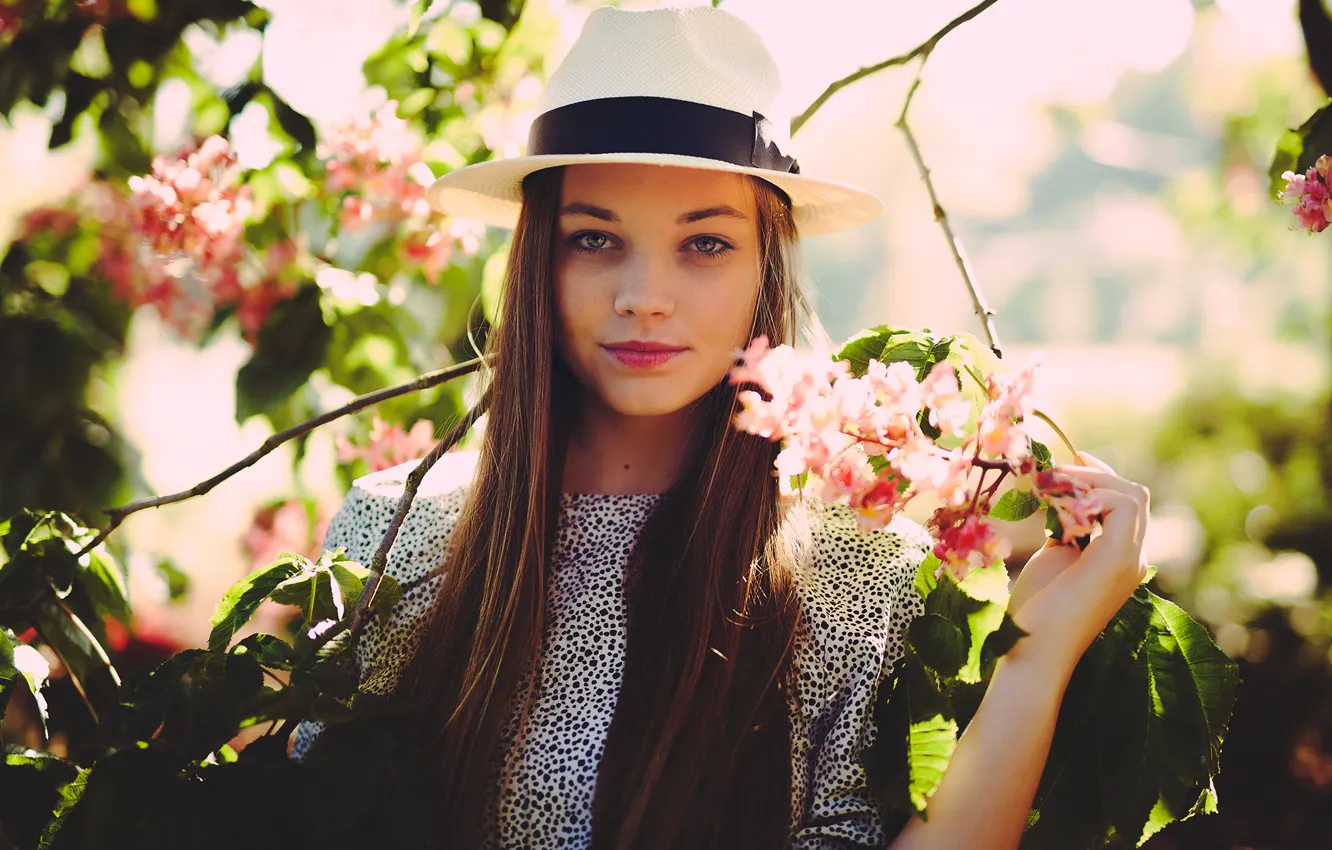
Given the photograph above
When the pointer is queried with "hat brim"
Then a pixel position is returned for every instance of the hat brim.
(491, 192)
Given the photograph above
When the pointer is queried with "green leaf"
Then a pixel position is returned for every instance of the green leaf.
(868, 345)
(1215, 675)
(925, 580)
(83, 657)
(988, 589)
(387, 596)
(1015, 506)
(311, 590)
(130, 798)
(917, 735)
(9, 673)
(350, 577)
(998, 643)
(32, 792)
(245, 596)
(939, 644)
(292, 343)
(104, 583)
(271, 651)
(1137, 744)
(1297, 150)
(177, 580)
(1041, 452)
(293, 123)
(207, 709)
(1072, 808)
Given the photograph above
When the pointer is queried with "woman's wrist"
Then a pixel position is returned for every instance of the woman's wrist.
(1046, 668)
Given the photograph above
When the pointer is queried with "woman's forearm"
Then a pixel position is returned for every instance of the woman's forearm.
(983, 800)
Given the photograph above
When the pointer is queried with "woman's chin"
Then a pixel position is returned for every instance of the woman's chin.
(648, 402)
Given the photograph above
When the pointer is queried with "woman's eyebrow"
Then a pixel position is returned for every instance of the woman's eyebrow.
(725, 210)
(580, 208)
(709, 212)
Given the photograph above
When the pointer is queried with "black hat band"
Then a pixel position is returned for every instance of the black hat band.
(658, 125)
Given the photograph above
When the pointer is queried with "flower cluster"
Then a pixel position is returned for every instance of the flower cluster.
(177, 241)
(378, 162)
(12, 13)
(389, 445)
(861, 440)
(1310, 194)
(377, 165)
(11, 21)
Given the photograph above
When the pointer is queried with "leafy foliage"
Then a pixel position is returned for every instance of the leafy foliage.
(1298, 149)
(934, 689)
(165, 771)
(1158, 694)
(1138, 739)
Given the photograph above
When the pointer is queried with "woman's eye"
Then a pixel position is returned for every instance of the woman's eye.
(709, 246)
(591, 242)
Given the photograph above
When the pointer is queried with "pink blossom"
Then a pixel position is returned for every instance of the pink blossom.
(966, 542)
(929, 469)
(949, 411)
(102, 10)
(846, 476)
(1309, 192)
(11, 21)
(897, 387)
(1001, 437)
(185, 243)
(812, 451)
(747, 372)
(876, 506)
(831, 423)
(1077, 508)
(283, 527)
(759, 417)
(389, 445)
(379, 161)
(1012, 395)
(49, 222)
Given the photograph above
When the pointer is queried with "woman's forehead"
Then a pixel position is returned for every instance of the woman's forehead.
(627, 187)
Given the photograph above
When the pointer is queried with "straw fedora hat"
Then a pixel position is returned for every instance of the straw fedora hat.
(676, 86)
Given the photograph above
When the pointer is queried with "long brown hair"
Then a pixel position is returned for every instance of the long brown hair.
(698, 752)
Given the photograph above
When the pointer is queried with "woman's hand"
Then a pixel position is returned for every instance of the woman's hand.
(1063, 598)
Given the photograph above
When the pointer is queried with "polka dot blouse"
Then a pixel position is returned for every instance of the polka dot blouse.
(857, 594)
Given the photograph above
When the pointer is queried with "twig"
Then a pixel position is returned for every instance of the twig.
(983, 311)
(1068, 443)
(922, 49)
(430, 379)
(379, 563)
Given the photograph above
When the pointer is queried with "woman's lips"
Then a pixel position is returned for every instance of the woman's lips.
(642, 355)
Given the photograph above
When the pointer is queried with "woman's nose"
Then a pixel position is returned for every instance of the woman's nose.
(645, 288)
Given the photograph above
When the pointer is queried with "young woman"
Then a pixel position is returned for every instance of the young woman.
(620, 634)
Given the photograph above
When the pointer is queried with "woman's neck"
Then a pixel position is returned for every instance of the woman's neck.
(611, 453)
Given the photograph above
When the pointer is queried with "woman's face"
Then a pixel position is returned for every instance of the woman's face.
(657, 275)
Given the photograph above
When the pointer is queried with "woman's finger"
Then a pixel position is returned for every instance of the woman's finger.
(1090, 460)
(1123, 521)
(1096, 478)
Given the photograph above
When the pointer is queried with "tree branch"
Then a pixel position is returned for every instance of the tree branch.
(921, 50)
(983, 310)
(422, 382)
(379, 563)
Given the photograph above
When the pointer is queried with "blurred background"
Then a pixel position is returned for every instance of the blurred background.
(1104, 164)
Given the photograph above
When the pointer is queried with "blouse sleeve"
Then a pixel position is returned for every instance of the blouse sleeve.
(858, 596)
(358, 527)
